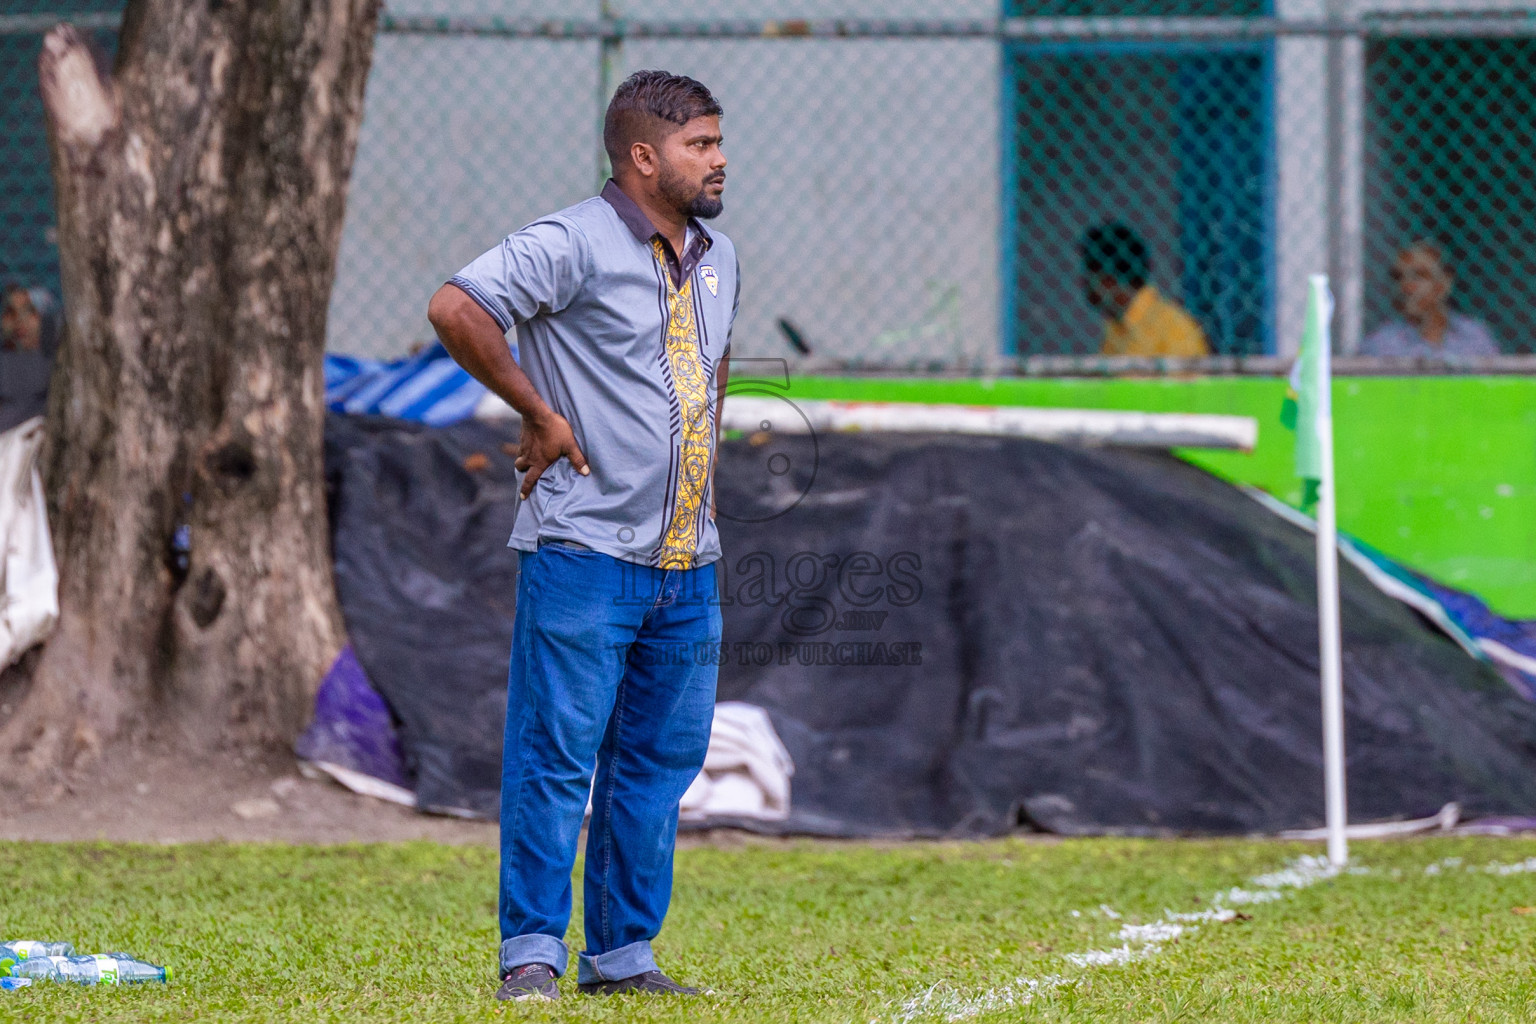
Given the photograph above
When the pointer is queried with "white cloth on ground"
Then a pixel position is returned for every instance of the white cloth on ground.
(746, 772)
(29, 579)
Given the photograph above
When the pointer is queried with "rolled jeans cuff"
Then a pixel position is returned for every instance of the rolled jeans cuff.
(615, 965)
(535, 949)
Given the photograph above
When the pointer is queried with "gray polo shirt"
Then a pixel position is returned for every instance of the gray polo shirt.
(1464, 337)
(624, 344)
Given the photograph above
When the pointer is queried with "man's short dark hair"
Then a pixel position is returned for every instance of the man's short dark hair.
(1114, 250)
(645, 104)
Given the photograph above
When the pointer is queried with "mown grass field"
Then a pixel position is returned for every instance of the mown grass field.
(806, 932)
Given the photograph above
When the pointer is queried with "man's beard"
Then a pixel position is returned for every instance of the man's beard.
(687, 199)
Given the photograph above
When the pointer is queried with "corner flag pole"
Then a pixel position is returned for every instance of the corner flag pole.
(1321, 307)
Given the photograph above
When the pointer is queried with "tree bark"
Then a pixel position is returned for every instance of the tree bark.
(200, 192)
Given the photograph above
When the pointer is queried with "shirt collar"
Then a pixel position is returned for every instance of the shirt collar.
(639, 224)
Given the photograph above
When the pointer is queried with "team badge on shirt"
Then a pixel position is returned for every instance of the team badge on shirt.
(710, 280)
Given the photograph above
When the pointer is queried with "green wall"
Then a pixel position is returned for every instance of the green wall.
(1437, 471)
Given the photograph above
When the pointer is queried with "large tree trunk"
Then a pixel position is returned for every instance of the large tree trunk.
(200, 196)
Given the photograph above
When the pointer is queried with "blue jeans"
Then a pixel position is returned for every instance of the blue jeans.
(613, 665)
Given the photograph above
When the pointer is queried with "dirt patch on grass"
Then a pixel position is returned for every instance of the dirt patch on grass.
(138, 795)
(148, 795)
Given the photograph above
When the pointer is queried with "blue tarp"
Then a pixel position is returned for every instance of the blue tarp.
(428, 387)
(1497, 637)
(1510, 646)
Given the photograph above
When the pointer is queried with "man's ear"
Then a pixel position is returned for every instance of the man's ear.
(643, 156)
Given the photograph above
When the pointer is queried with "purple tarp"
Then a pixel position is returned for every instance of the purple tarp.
(353, 726)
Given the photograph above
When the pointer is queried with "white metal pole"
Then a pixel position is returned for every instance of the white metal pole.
(1346, 117)
(1328, 593)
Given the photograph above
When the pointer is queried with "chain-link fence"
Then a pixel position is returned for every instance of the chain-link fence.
(28, 249)
(1451, 158)
(948, 194)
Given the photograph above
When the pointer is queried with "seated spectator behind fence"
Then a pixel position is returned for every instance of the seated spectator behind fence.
(1138, 321)
(29, 335)
(1427, 326)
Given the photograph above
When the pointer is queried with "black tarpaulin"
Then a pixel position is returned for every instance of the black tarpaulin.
(420, 519)
(957, 636)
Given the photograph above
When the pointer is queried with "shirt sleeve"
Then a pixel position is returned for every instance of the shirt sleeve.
(1189, 339)
(735, 305)
(540, 269)
(1169, 331)
(1480, 340)
(1374, 343)
(1113, 342)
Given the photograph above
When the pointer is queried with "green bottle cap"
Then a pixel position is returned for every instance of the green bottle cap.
(5, 967)
(167, 973)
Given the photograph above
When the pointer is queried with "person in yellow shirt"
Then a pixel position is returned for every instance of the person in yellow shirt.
(1138, 320)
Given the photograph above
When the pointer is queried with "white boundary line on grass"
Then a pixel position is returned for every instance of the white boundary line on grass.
(1524, 867)
(1137, 942)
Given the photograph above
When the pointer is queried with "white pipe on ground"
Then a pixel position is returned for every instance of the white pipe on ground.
(753, 413)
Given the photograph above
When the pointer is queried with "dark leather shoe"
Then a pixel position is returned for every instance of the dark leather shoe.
(649, 983)
(528, 981)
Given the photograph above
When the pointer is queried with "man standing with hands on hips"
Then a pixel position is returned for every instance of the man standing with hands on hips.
(623, 306)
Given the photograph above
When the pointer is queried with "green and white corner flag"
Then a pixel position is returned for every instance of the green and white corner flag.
(1307, 403)
(1309, 410)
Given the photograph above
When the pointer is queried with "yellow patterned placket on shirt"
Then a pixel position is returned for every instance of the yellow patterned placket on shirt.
(679, 544)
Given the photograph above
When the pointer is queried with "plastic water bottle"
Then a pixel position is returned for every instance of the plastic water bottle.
(8, 984)
(121, 969)
(38, 968)
(21, 949)
(100, 969)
